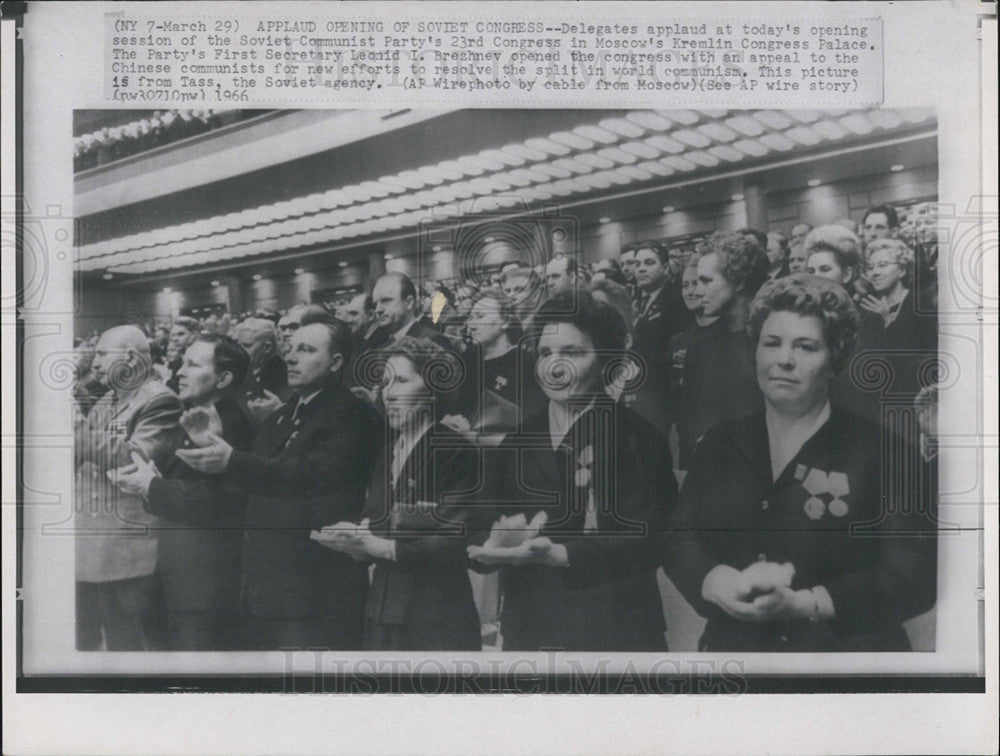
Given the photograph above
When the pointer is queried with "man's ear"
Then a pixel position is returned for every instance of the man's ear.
(225, 379)
(337, 363)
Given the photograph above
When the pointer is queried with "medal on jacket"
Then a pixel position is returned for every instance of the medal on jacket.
(833, 484)
(838, 488)
(583, 478)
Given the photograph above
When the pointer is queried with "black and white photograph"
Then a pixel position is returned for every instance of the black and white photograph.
(499, 380)
(410, 359)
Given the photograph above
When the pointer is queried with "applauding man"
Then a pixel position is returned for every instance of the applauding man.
(309, 466)
(198, 561)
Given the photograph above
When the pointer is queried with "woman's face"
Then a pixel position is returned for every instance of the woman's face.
(485, 324)
(404, 392)
(883, 270)
(650, 272)
(825, 265)
(793, 362)
(567, 365)
(715, 291)
(689, 288)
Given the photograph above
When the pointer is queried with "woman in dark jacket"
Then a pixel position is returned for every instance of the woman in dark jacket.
(718, 368)
(200, 536)
(419, 515)
(795, 530)
(596, 483)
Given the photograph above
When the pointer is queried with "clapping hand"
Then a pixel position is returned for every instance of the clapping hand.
(875, 304)
(136, 477)
(212, 458)
(355, 540)
(199, 422)
(515, 541)
(261, 409)
(757, 594)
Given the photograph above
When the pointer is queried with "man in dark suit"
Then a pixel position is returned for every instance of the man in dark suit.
(198, 557)
(259, 338)
(395, 299)
(661, 315)
(182, 334)
(309, 466)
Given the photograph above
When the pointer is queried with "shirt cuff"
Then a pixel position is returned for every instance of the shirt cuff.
(824, 603)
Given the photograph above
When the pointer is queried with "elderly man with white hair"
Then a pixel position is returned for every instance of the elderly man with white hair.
(118, 601)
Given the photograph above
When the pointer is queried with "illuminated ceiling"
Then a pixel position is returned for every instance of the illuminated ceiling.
(637, 148)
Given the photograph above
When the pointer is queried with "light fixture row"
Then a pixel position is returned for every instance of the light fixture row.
(406, 198)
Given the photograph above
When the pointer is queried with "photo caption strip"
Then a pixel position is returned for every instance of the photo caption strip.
(163, 59)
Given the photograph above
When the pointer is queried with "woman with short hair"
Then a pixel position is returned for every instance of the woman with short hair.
(584, 493)
(416, 520)
(792, 532)
(718, 369)
(908, 338)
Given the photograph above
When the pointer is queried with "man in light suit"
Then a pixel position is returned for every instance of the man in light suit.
(117, 595)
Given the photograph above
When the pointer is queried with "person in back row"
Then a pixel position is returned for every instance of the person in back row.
(719, 381)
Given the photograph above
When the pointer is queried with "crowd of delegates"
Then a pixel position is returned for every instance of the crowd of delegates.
(414, 469)
(161, 127)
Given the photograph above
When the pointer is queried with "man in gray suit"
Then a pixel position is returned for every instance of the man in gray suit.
(117, 594)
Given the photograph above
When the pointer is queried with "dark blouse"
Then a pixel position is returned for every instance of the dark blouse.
(853, 511)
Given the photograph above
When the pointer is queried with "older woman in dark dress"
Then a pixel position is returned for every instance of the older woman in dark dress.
(793, 531)
(584, 492)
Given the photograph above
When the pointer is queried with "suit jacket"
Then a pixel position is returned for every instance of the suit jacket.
(665, 317)
(116, 538)
(429, 581)
(173, 382)
(908, 342)
(273, 376)
(732, 512)
(299, 476)
(201, 527)
(720, 383)
(608, 598)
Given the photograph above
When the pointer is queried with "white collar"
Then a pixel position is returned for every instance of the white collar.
(304, 400)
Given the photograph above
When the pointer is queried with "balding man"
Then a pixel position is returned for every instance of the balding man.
(268, 372)
(357, 313)
(561, 275)
(117, 597)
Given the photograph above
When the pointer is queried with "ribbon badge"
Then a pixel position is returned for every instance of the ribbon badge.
(584, 461)
(500, 383)
(834, 485)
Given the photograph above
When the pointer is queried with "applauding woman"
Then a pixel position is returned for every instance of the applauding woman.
(788, 536)
(418, 517)
(584, 493)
